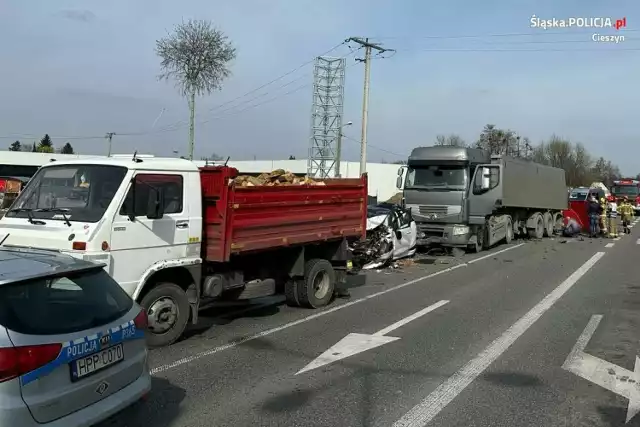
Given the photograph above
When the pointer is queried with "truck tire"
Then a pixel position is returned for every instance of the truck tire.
(537, 232)
(509, 231)
(167, 308)
(548, 224)
(480, 241)
(316, 290)
(291, 293)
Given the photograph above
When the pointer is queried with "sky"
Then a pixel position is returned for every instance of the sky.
(79, 69)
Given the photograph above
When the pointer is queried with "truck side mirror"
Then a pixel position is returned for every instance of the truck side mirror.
(155, 208)
(482, 180)
(399, 183)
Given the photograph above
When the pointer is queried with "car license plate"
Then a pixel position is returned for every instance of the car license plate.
(96, 362)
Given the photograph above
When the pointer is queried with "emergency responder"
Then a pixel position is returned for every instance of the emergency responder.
(594, 212)
(612, 217)
(604, 227)
(627, 213)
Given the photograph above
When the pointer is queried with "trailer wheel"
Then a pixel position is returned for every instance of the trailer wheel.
(509, 231)
(548, 225)
(319, 283)
(537, 231)
(167, 308)
(291, 293)
(558, 222)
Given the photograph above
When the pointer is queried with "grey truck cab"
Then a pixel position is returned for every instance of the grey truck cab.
(467, 198)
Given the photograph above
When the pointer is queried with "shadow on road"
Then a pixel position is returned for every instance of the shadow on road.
(160, 409)
(512, 379)
(225, 312)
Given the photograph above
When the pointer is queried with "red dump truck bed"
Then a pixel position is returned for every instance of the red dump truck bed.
(247, 219)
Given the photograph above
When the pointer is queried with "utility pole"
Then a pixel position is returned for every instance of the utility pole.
(365, 97)
(109, 137)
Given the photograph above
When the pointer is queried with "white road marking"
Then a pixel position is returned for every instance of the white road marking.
(353, 343)
(616, 239)
(609, 245)
(425, 411)
(605, 374)
(638, 242)
(317, 315)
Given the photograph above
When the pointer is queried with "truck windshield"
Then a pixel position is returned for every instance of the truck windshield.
(436, 177)
(625, 190)
(68, 193)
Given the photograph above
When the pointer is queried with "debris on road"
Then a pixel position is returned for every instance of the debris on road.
(275, 178)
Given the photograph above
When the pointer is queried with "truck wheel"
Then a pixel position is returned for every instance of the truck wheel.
(537, 231)
(509, 231)
(548, 225)
(319, 283)
(291, 293)
(480, 241)
(167, 308)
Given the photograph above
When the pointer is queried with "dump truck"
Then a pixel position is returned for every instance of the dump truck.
(467, 198)
(177, 237)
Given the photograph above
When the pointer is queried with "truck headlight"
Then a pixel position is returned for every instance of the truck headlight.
(460, 230)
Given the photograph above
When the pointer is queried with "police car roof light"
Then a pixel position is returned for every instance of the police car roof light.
(17, 361)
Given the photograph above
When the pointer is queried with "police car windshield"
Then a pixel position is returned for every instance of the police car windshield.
(62, 305)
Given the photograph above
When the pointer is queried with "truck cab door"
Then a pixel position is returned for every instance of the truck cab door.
(483, 192)
(140, 240)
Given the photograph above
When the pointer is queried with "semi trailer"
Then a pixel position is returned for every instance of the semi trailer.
(467, 198)
(177, 237)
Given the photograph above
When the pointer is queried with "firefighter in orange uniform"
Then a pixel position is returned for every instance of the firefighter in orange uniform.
(627, 213)
(612, 217)
(604, 227)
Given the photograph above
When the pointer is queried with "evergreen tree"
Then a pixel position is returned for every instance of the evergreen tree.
(15, 146)
(67, 149)
(33, 148)
(45, 146)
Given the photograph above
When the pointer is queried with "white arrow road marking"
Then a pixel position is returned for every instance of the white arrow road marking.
(438, 399)
(605, 374)
(358, 343)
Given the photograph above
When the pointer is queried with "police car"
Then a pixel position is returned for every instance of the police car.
(72, 345)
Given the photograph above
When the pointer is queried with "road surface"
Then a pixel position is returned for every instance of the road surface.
(526, 334)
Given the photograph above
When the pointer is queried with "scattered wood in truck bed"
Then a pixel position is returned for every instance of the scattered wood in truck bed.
(274, 178)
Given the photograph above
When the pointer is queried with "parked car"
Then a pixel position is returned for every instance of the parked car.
(72, 342)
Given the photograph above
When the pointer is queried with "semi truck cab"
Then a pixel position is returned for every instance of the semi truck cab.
(436, 188)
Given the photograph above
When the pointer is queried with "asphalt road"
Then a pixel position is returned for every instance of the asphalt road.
(475, 341)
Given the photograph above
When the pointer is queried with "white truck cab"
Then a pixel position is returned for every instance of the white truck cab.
(142, 216)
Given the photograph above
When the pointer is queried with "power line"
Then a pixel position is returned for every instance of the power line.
(373, 146)
(304, 64)
(176, 127)
(523, 50)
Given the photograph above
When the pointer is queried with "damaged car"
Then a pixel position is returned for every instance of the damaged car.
(391, 235)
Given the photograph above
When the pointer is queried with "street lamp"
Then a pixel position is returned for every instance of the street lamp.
(339, 148)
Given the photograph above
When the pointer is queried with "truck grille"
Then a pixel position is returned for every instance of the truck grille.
(433, 209)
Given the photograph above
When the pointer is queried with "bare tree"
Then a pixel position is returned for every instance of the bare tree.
(196, 55)
(451, 140)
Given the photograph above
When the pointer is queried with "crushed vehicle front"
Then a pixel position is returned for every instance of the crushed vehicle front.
(63, 208)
